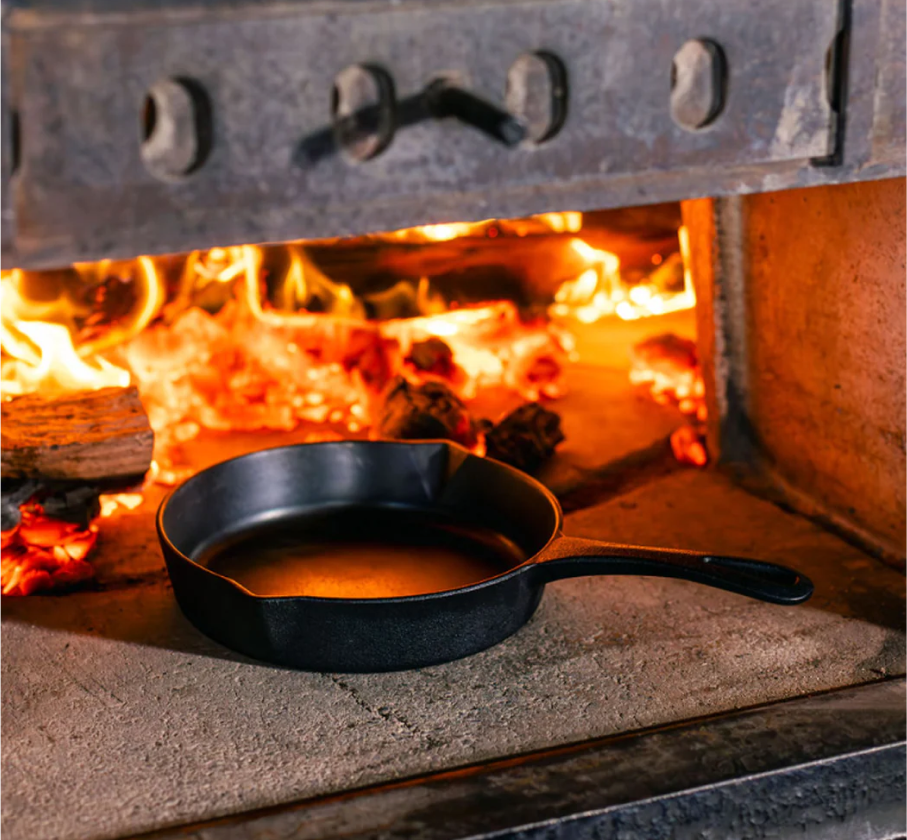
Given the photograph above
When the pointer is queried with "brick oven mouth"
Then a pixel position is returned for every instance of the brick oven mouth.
(570, 345)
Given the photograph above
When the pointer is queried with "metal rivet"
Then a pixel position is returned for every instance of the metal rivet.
(176, 128)
(698, 78)
(537, 94)
(363, 111)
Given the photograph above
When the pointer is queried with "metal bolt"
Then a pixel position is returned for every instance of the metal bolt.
(363, 111)
(697, 84)
(537, 94)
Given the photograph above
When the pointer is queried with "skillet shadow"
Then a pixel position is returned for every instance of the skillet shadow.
(146, 613)
(874, 593)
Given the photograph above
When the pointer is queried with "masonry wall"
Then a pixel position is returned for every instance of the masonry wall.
(808, 328)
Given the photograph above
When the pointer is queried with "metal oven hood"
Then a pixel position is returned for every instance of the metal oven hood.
(608, 103)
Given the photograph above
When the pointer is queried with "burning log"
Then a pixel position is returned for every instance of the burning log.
(668, 365)
(667, 352)
(87, 436)
(425, 412)
(525, 438)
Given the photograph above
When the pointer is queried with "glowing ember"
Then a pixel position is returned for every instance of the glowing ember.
(42, 553)
(668, 366)
(113, 502)
(234, 339)
(688, 445)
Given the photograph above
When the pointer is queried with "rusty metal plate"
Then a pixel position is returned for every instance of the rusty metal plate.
(79, 80)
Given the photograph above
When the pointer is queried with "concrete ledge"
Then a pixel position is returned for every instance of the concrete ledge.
(118, 717)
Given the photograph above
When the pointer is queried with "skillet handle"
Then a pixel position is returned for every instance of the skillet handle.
(568, 557)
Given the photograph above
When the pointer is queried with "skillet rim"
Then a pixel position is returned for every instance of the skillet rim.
(519, 569)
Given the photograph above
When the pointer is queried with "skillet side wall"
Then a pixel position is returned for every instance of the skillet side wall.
(349, 636)
(236, 493)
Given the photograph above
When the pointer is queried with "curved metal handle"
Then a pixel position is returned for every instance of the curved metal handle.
(440, 100)
(566, 557)
(446, 100)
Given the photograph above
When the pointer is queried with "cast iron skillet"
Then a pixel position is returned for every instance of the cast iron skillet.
(347, 489)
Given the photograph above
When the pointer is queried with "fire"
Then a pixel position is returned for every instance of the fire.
(568, 222)
(600, 291)
(54, 364)
(247, 339)
(37, 335)
(39, 354)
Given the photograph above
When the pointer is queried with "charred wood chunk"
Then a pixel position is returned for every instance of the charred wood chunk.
(432, 356)
(13, 494)
(63, 501)
(79, 505)
(374, 357)
(425, 412)
(525, 438)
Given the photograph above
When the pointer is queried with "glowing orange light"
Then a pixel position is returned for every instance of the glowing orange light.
(599, 290)
(223, 341)
(42, 553)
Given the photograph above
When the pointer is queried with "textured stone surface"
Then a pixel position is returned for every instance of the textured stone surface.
(118, 717)
(608, 423)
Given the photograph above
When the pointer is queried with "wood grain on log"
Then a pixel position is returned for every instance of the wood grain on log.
(87, 435)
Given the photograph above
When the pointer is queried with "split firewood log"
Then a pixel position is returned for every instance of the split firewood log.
(84, 436)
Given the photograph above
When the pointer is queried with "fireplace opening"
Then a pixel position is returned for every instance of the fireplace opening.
(506, 336)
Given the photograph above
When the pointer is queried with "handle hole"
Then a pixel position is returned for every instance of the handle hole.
(698, 84)
(834, 66)
(176, 128)
(15, 142)
(363, 106)
(537, 94)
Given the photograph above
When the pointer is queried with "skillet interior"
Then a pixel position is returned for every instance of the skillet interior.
(359, 520)
(356, 552)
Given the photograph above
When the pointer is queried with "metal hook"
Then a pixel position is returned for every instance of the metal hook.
(440, 100)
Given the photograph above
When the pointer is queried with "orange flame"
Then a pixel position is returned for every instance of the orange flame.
(600, 291)
(37, 337)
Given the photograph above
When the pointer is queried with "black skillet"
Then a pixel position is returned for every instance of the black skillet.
(486, 534)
